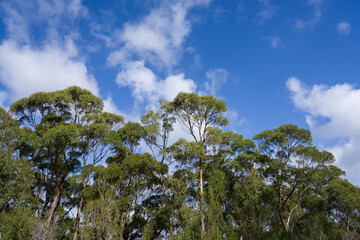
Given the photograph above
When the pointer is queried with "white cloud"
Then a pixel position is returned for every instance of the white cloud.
(3, 96)
(343, 28)
(216, 77)
(314, 20)
(25, 70)
(274, 41)
(267, 10)
(141, 79)
(16, 24)
(235, 121)
(145, 85)
(77, 9)
(50, 63)
(332, 114)
(110, 106)
(157, 38)
(173, 84)
(154, 41)
(45, 15)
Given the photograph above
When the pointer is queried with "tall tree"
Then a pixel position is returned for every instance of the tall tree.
(197, 114)
(157, 128)
(343, 204)
(295, 170)
(54, 142)
(97, 134)
(16, 181)
(126, 192)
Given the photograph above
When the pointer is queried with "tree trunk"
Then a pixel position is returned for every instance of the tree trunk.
(80, 205)
(54, 203)
(202, 201)
(123, 215)
(78, 218)
(171, 227)
(280, 213)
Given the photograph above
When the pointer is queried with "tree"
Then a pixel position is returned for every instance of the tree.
(157, 128)
(97, 134)
(343, 204)
(295, 169)
(197, 114)
(60, 154)
(126, 192)
(54, 140)
(16, 182)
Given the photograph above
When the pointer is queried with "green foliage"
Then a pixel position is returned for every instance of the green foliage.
(16, 181)
(63, 154)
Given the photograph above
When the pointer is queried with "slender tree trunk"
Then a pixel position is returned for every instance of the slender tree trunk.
(166, 196)
(54, 203)
(202, 220)
(280, 213)
(123, 215)
(80, 206)
(171, 227)
(76, 230)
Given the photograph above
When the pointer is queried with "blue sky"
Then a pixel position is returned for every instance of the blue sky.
(272, 61)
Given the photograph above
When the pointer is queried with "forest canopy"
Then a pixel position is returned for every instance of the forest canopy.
(70, 170)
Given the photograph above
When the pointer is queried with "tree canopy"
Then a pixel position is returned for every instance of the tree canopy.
(69, 170)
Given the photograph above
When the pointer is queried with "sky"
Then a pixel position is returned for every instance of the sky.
(273, 62)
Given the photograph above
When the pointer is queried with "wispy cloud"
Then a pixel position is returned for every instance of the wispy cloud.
(302, 24)
(343, 28)
(267, 10)
(156, 41)
(157, 38)
(216, 78)
(339, 133)
(274, 41)
(47, 17)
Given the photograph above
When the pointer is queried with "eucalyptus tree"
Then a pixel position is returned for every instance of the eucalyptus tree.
(122, 199)
(224, 149)
(97, 133)
(15, 174)
(157, 128)
(54, 140)
(235, 188)
(197, 114)
(295, 170)
(126, 193)
(343, 205)
(16, 182)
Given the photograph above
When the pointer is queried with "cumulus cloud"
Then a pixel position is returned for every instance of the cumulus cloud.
(216, 78)
(110, 106)
(155, 41)
(47, 63)
(332, 113)
(301, 24)
(343, 28)
(25, 70)
(145, 85)
(157, 38)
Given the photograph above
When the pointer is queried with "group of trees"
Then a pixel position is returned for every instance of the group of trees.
(69, 170)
